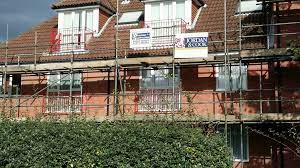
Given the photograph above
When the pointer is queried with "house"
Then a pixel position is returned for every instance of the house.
(108, 59)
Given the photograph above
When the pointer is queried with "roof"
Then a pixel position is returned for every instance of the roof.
(103, 47)
(24, 43)
(75, 3)
(211, 20)
(133, 5)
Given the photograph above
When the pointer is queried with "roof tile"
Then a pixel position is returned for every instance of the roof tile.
(103, 47)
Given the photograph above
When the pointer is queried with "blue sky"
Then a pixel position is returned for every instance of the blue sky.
(21, 15)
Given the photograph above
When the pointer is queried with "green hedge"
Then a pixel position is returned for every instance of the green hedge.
(89, 144)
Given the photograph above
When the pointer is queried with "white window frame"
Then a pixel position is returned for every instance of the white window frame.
(72, 36)
(59, 83)
(60, 99)
(177, 91)
(95, 10)
(187, 4)
(244, 10)
(238, 137)
(236, 77)
(131, 17)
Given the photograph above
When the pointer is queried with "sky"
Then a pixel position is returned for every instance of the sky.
(21, 15)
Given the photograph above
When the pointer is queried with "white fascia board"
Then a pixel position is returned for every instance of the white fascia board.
(78, 8)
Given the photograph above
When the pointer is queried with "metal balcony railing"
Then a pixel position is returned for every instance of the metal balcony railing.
(164, 31)
(63, 104)
(69, 39)
(159, 100)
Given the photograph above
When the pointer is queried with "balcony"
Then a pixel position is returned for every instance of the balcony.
(69, 40)
(164, 31)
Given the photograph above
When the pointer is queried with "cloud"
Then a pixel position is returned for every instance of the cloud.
(21, 15)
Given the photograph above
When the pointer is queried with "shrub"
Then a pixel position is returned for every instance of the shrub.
(90, 144)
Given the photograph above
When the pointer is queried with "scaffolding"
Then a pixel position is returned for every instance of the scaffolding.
(123, 102)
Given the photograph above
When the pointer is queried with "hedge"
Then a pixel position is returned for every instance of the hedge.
(90, 144)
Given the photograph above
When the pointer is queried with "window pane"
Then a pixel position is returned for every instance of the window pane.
(234, 140)
(167, 12)
(76, 81)
(130, 17)
(53, 81)
(160, 79)
(65, 82)
(89, 20)
(180, 10)
(155, 11)
(67, 20)
(248, 6)
(232, 78)
(146, 81)
(77, 20)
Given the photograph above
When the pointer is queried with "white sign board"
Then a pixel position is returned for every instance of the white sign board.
(140, 38)
(191, 45)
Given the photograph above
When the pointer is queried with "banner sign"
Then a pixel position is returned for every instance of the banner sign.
(191, 45)
(140, 38)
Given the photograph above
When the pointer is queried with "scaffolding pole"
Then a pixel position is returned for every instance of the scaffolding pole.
(225, 65)
(173, 76)
(35, 49)
(5, 69)
(116, 102)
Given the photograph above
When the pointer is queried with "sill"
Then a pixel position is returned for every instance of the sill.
(9, 96)
(228, 91)
(63, 91)
(68, 52)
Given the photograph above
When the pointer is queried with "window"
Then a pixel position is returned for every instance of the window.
(155, 11)
(130, 17)
(78, 19)
(10, 86)
(234, 141)
(68, 20)
(156, 90)
(61, 82)
(58, 96)
(76, 27)
(89, 20)
(167, 18)
(167, 10)
(249, 6)
(180, 9)
(231, 81)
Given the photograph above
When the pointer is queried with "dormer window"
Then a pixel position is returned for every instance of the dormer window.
(130, 17)
(167, 18)
(249, 6)
(166, 10)
(75, 28)
(77, 20)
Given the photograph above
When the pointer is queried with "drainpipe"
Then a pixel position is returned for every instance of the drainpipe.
(197, 17)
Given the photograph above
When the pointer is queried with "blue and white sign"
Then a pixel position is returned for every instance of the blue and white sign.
(140, 38)
(191, 45)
